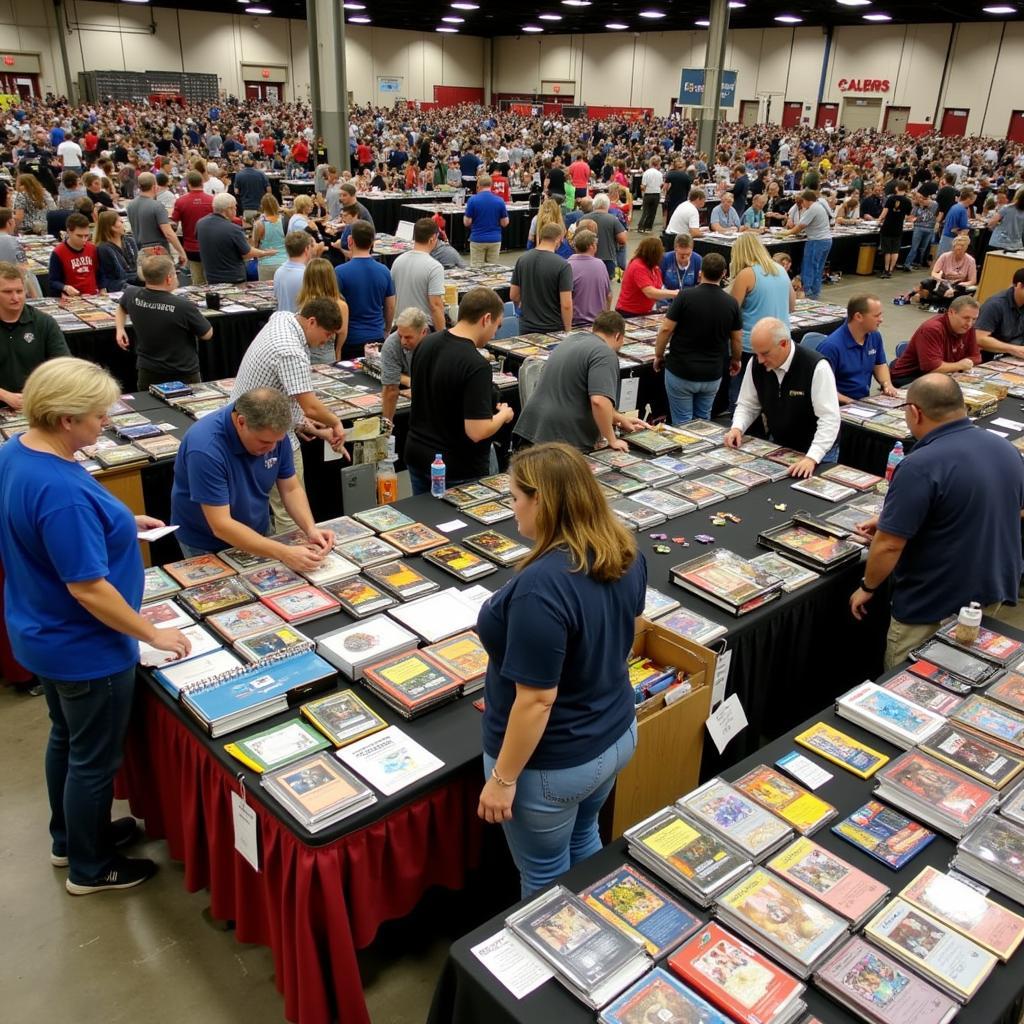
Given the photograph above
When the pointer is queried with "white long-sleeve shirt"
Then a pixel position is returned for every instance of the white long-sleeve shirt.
(824, 399)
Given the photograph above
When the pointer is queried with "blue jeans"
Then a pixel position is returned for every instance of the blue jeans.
(735, 383)
(689, 399)
(554, 815)
(88, 722)
(831, 456)
(187, 551)
(813, 268)
(421, 481)
(920, 246)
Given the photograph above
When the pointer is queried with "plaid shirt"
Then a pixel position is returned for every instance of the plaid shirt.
(278, 358)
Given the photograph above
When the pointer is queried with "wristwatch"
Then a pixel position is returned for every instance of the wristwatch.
(864, 586)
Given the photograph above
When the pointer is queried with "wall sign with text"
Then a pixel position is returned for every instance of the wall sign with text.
(863, 85)
(691, 88)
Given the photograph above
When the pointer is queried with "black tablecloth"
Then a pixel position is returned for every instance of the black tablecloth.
(468, 993)
(512, 237)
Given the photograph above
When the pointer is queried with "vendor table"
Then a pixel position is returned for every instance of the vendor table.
(386, 207)
(468, 993)
(513, 237)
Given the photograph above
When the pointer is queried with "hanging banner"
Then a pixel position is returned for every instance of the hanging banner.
(691, 88)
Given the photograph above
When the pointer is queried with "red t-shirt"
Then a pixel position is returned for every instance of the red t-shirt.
(300, 152)
(188, 210)
(632, 301)
(500, 186)
(268, 145)
(579, 174)
(79, 267)
(364, 155)
(933, 343)
(91, 140)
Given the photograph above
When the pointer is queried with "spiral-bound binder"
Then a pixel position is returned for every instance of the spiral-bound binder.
(243, 669)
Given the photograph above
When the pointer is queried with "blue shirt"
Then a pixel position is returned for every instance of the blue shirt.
(548, 627)
(853, 364)
(725, 220)
(469, 164)
(59, 526)
(956, 220)
(670, 275)
(487, 210)
(287, 285)
(956, 498)
(365, 284)
(212, 467)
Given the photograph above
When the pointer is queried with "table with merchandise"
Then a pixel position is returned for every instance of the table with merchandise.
(386, 207)
(512, 237)
(787, 884)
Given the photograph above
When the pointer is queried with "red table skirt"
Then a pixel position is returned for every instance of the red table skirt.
(313, 906)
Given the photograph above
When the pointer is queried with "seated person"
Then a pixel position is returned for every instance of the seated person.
(856, 352)
(724, 216)
(953, 273)
(681, 267)
(785, 261)
(74, 263)
(753, 216)
(1000, 326)
(944, 344)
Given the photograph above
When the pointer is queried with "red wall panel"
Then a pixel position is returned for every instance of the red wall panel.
(453, 95)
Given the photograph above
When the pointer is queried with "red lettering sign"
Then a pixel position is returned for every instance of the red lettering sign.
(863, 85)
(8, 60)
(556, 88)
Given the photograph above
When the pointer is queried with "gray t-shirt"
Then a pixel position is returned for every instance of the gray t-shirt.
(541, 276)
(559, 409)
(394, 361)
(818, 228)
(11, 250)
(417, 276)
(146, 215)
(609, 227)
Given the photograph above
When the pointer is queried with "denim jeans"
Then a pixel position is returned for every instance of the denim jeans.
(187, 551)
(420, 482)
(554, 815)
(920, 246)
(735, 383)
(813, 267)
(945, 245)
(831, 456)
(88, 722)
(689, 399)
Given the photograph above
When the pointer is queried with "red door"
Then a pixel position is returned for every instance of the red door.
(252, 90)
(791, 112)
(1016, 129)
(954, 122)
(828, 114)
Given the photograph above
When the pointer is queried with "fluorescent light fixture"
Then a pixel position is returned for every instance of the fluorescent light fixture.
(147, 1)
(652, 14)
(788, 19)
(550, 17)
(257, 10)
(445, 28)
(466, 7)
(453, 19)
(855, 3)
(1000, 9)
(703, 23)
(360, 20)
(532, 28)
(353, 6)
(576, 3)
(736, 3)
(616, 26)
(878, 17)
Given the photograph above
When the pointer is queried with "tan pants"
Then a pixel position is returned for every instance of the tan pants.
(267, 271)
(903, 637)
(481, 253)
(195, 268)
(280, 521)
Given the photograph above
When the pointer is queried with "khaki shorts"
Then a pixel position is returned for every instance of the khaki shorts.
(279, 518)
(903, 637)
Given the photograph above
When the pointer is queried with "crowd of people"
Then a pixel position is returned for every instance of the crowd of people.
(195, 185)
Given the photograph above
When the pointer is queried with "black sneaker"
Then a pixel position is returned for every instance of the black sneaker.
(124, 831)
(124, 874)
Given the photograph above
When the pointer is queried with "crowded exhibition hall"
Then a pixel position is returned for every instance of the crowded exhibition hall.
(466, 547)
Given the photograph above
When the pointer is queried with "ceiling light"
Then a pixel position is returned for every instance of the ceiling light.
(576, 3)
(453, 19)
(615, 26)
(532, 28)
(466, 7)
(878, 17)
(360, 19)
(652, 14)
(354, 6)
(445, 28)
(855, 3)
(1000, 9)
(550, 17)
(788, 19)
(703, 22)
(248, 10)
(736, 3)
(147, 1)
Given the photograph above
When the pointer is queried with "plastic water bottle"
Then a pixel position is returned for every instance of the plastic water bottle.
(895, 458)
(437, 472)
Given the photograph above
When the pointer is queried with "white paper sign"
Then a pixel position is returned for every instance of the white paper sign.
(804, 770)
(1009, 424)
(330, 455)
(721, 678)
(726, 721)
(518, 968)
(629, 392)
(998, 433)
(451, 526)
(156, 533)
(243, 817)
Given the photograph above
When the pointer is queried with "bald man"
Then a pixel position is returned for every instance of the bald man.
(795, 390)
(949, 532)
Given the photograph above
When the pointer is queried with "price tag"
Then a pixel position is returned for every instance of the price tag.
(803, 769)
(330, 455)
(721, 679)
(243, 817)
(726, 721)
(629, 392)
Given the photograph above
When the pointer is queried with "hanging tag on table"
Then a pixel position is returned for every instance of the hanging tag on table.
(629, 391)
(243, 817)
(721, 680)
(725, 722)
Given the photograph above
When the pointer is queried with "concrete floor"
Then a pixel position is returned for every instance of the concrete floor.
(151, 953)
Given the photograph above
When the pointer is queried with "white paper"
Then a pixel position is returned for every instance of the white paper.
(156, 533)
(864, 414)
(330, 455)
(389, 760)
(968, 881)
(451, 526)
(168, 426)
(1010, 424)
(243, 817)
(629, 393)
(804, 770)
(518, 968)
(726, 721)
(998, 433)
(721, 678)
(202, 643)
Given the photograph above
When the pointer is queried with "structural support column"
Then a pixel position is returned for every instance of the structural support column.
(714, 62)
(488, 69)
(328, 88)
(69, 84)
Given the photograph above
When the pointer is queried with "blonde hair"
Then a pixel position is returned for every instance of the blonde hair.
(748, 251)
(66, 386)
(30, 185)
(303, 204)
(549, 213)
(571, 513)
(269, 206)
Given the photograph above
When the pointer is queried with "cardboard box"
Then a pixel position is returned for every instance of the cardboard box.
(670, 735)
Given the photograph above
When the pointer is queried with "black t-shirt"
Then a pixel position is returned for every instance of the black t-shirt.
(871, 206)
(451, 383)
(556, 177)
(899, 207)
(929, 187)
(167, 328)
(679, 183)
(945, 197)
(705, 317)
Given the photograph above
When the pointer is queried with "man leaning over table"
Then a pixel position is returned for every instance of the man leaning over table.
(225, 469)
(411, 327)
(794, 390)
(949, 531)
(856, 352)
(1000, 326)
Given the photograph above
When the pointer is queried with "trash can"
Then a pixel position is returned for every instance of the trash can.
(866, 260)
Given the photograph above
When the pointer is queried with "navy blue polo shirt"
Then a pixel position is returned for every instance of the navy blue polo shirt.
(956, 498)
(853, 364)
(213, 468)
(487, 210)
(552, 627)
